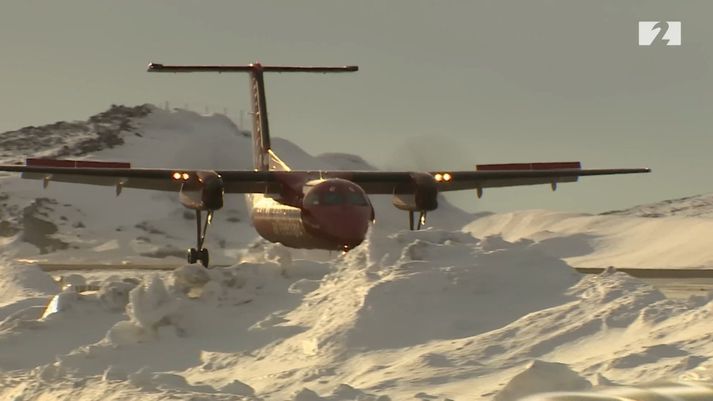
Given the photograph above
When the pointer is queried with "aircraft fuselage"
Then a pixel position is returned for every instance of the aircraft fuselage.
(332, 214)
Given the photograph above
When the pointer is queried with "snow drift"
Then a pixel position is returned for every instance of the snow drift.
(426, 315)
(584, 240)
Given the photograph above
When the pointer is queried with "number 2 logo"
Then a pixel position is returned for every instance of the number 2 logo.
(662, 26)
(666, 33)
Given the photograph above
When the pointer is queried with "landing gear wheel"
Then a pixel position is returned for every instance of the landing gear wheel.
(192, 255)
(203, 257)
(199, 253)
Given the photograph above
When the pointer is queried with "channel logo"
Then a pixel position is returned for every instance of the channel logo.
(659, 33)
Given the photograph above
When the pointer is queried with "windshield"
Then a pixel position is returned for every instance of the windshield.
(356, 198)
(333, 198)
(336, 196)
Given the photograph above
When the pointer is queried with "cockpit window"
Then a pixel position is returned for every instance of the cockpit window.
(356, 198)
(312, 199)
(333, 198)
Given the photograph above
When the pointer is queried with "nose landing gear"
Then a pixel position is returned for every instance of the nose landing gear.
(199, 253)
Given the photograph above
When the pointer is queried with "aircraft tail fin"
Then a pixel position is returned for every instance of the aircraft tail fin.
(261, 129)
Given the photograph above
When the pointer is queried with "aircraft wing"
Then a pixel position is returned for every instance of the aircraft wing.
(485, 176)
(121, 175)
(492, 179)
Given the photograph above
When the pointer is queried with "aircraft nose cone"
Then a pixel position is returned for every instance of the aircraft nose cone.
(347, 226)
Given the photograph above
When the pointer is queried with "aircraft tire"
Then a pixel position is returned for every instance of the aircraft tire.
(204, 257)
(192, 255)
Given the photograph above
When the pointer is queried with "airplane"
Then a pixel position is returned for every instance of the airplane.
(328, 210)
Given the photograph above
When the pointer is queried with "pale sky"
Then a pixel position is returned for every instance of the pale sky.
(442, 84)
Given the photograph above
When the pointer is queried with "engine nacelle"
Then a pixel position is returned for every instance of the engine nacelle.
(421, 194)
(201, 190)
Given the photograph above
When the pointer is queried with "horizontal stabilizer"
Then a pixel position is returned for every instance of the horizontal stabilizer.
(156, 67)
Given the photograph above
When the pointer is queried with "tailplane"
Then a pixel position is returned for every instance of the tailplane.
(262, 155)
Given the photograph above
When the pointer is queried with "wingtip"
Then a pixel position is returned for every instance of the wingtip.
(153, 66)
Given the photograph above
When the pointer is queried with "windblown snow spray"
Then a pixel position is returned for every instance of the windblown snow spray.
(679, 391)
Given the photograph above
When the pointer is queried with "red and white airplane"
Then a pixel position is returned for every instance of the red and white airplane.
(327, 210)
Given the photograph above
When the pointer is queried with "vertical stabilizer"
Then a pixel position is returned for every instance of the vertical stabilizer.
(261, 128)
(262, 154)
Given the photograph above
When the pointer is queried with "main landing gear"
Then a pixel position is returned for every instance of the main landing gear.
(199, 253)
(421, 220)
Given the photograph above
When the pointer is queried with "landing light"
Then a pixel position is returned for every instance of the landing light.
(180, 176)
(442, 177)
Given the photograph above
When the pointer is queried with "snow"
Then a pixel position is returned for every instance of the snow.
(584, 240)
(249, 311)
(489, 311)
(690, 206)
(684, 390)
(427, 315)
(541, 377)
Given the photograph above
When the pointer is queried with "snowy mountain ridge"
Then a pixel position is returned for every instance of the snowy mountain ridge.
(78, 138)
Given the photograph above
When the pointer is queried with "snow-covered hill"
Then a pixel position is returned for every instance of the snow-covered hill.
(613, 239)
(75, 223)
(690, 206)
